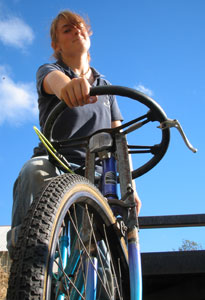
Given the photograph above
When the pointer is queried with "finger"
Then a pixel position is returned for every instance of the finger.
(70, 97)
(86, 92)
(67, 95)
(78, 92)
(85, 88)
(139, 205)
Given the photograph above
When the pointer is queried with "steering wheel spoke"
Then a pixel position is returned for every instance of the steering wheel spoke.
(136, 149)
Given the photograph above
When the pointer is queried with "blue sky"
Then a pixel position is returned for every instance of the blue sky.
(156, 47)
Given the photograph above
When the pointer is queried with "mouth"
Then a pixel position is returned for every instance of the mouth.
(79, 38)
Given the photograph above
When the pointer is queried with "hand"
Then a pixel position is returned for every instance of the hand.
(77, 93)
(138, 202)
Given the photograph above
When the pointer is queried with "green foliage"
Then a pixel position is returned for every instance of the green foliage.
(188, 245)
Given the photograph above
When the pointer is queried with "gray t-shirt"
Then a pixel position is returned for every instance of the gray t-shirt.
(79, 121)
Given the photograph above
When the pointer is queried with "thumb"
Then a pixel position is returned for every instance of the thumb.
(93, 99)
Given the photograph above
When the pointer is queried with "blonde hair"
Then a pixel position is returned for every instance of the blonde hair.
(74, 20)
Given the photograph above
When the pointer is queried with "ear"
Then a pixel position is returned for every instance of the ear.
(55, 46)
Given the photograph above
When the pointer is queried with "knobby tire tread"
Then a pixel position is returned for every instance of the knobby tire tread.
(31, 254)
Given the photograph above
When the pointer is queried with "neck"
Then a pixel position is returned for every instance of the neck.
(80, 65)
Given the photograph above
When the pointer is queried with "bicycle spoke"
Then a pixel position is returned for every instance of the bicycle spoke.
(86, 250)
(119, 269)
(66, 277)
(84, 247)
(79, 237)
(111, 261)
(71, 282)
(89, 250)
(62, 269)
(79, 248)
(106, 284)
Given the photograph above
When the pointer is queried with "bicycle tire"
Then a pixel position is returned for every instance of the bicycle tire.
(32, 270)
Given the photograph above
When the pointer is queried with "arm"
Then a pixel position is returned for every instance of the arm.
(136, 196)
(75, 92)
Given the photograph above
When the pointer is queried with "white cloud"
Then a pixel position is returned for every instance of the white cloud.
(18, 101)
(144, 90)
(14, 32)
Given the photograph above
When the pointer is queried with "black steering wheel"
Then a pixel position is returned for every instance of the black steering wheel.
(155, 113)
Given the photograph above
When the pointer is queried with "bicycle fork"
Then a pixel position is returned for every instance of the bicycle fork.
(109, 189)
(102, 143)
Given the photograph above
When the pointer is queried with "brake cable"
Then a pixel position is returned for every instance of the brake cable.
(59, 157)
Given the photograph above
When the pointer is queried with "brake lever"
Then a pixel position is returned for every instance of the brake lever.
(175, 123)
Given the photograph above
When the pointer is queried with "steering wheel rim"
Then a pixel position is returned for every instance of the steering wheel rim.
(156, 114)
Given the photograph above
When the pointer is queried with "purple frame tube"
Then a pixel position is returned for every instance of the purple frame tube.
(91, 284)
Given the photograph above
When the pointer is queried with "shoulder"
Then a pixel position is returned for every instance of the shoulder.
(104, 81)
(48, 67)
(42, 72)
(99, 78)
(59, 65)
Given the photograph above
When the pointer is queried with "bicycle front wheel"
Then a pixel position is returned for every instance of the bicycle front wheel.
(70, 247)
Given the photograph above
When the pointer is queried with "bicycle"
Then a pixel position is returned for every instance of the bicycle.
(79, 242)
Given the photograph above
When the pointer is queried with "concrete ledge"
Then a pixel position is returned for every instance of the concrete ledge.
(171, 221)
(172, 263)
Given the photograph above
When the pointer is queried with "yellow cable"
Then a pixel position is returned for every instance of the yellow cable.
(50, 148)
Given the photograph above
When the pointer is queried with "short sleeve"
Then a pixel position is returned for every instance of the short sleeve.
(114, 108)
(115, 111)
(42, 72)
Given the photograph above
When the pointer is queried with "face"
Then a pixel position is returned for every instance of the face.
(71, 40)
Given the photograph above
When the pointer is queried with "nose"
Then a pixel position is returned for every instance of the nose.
(76, 30)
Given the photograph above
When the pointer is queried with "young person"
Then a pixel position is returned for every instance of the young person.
(69, 79)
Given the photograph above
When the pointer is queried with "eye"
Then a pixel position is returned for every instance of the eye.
(67, 30)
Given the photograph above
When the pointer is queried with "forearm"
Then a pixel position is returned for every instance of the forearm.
(54, 82)
(74, 92)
